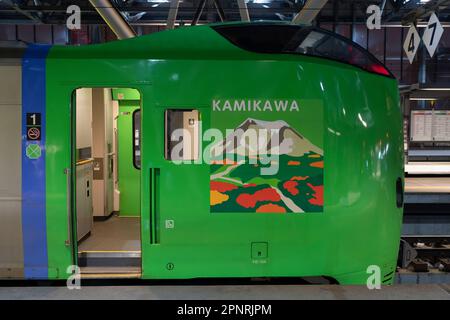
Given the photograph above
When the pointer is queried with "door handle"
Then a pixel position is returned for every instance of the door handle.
(154, 214)
(69, 206)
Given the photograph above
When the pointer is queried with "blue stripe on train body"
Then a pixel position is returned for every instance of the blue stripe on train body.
(34, 226)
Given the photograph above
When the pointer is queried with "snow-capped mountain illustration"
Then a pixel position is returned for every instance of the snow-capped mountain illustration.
(259, 137)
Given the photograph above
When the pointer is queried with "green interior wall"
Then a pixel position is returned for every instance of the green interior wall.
(126, 94)
(129, 176)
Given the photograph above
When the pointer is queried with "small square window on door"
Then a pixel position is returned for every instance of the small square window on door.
(182, 135)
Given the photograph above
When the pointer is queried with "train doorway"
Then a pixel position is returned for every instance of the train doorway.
(106, 182)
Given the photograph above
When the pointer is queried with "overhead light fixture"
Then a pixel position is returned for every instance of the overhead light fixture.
(419, 25)
(259, 1)
(423, 99)
(160, 1)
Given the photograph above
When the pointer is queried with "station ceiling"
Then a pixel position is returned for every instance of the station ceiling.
(151, 12)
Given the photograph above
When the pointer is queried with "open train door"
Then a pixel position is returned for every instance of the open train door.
(104, 182)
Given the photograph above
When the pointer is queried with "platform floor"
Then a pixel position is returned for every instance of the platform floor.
(227, 292)
(115, 234)
(427, 185)
(428, 168)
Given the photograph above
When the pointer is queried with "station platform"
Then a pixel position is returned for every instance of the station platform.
(428, 191)
(227, 292)
(427, 185)
(438, 168)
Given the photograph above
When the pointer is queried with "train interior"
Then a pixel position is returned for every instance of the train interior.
(107, 175)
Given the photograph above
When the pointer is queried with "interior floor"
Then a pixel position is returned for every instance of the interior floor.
(114, 234)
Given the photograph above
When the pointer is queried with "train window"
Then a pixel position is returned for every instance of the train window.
(325, 45)
(290, 39)
(137, 139)
(259, 38)
(182, 134)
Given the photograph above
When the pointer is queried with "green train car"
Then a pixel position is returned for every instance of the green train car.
(229, 150)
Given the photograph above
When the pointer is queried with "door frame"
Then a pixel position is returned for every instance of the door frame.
(71, 170)
(73, 241)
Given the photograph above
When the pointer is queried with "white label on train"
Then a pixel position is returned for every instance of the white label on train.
(256, 105)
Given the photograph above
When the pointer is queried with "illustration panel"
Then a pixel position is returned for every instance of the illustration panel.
(265, 163)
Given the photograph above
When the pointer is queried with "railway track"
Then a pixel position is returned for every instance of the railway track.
(422, 253)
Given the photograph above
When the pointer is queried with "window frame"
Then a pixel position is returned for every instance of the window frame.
(167, 136)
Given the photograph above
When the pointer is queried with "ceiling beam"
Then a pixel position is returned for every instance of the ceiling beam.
(173, 12)
(23, 12)
(198, 12)
(309, 11)
(243, 10)
(113, 19)
(220, 11)
(424, 10)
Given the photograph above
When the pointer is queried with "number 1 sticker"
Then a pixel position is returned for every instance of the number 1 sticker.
(34, 119)
(412, 43)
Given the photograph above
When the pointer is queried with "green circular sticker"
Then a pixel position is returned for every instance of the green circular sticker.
(33, 151)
